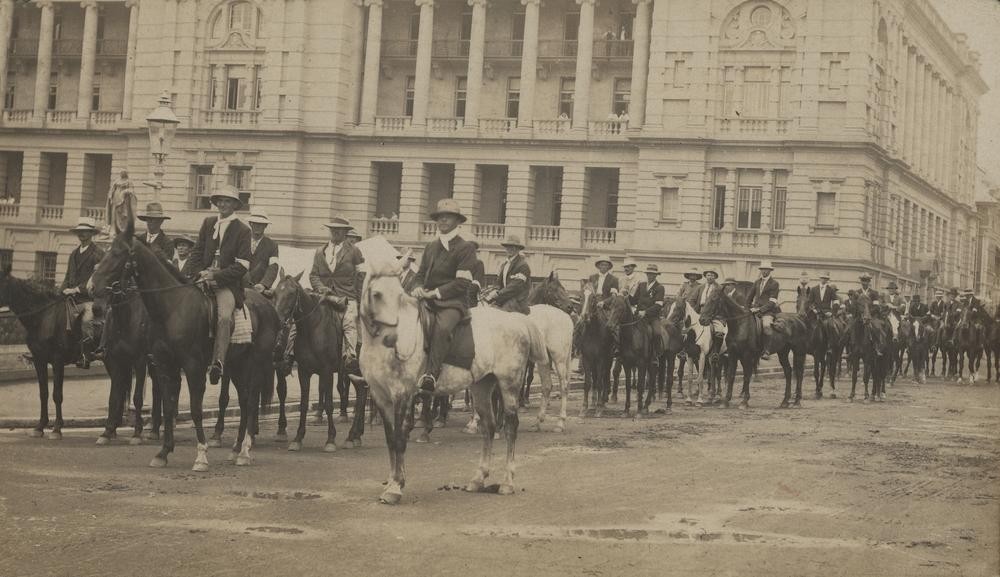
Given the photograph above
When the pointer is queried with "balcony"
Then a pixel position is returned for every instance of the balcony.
(428, 229)
(25, 47)
(743, 241)
(67, 47)
(503, 49)
(450, 49)
(489, 232)
(231, 118)
(445, 124)
(104, 118)
(112, 47)
(599, 237)
(547, 127)
(557, 48)
(399, 49)
(57, 117)
(50, 212)
(754, 127)
(16, 117)
(543, 234)
(497, 126)
(612, 50)
(607, 128)
(392, 123)
(9, 210)
(381, 226)
(94, 212)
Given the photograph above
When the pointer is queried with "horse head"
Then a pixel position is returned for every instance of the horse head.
(116, 266)
(286, 297)
(382, 296)
(588, 302)
(617, 310)
(551, 292)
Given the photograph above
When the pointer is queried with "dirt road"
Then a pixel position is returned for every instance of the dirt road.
(908, 487)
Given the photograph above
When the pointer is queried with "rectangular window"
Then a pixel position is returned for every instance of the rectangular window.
(233, 89)
(826, 209)
(836, 78)
(465, 34)
(241, 16)
(780, 207)
(669, 204)
(414, 32)
(461, 86)
(53, 91)
(516, 33)
(8, 97)
(201, 186)
(625, 24)
(571, 30)
(748, 201)
(408, 96)
(6, 258)
(513, 96)
(45, 267)
(241, 178)
(95, 92)
(719, 207)
(756, 91)
(623, 91)
(680, 74)
(566, 88)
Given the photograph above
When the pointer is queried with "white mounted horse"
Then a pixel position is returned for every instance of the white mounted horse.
(393, 358)
(703, 340)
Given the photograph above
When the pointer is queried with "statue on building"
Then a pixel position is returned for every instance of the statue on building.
(121, 204)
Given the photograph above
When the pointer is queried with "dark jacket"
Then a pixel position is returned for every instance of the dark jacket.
(449, 271)
(895, 300)
(514, 286)
(234, 254)
(478, 280)
(822, 304)
(918, 310)
(696, 301)
(342, 281)
(610, 284)
(649, 298)
(81, 267)
(263, 263)
(938, 308)
(872, 295)
(187, 270)
(765, 296)
(162, 244)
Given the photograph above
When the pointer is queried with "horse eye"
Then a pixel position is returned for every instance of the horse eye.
(376, 294)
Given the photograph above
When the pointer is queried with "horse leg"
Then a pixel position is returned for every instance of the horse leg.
(586, 388)
(139, 370)
(326, 384)
(852, 365)
(616, 372)
(799, 368)
(156, 404)
(425, 417)
(300, 433)
(395, 437)
(282, 387)
(667, 367)
(628, 389)
(482, 392)
(730, 378)
(749, 364)
(196, 391)
(833, 361)
(640, 387)
(529, 377)
(220, 422)
(115, 401)
(239, 380)
(344, 391)
(170, 379)
(360, 404)
(57, 400)
(787, 370)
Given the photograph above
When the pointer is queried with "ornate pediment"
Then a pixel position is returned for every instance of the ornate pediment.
(237, 41)
(759, 25)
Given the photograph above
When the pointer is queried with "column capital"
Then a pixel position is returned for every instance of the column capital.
(43, 4)
(588, 2)
(85, 4)
(131, 3)
(531, 2)
(638, 2)
(422, 3)
(481, 3)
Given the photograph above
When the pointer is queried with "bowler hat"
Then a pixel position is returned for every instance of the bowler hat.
(183, 238)
(892, 285)
(449, 206)
(865, 276)
(153, 210)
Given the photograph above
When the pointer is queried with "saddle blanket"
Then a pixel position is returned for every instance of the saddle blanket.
(242, 327)
(463, 348)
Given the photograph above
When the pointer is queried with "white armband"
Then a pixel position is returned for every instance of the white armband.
(519, 276)
(272, 260)
(245, 263)
(464, 274)
(775, 301)
(658, 303)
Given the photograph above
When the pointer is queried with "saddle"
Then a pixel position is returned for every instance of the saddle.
(463, 347)
(242, 331)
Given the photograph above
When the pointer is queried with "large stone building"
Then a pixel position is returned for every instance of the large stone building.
(820, 134)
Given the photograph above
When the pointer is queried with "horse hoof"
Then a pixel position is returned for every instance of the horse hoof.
(330, 448)
(295, 446)
(439, 424)
(724, 405)
(818, 396)
(36, 433)
(505, 489)
(102, 440)
(135, 441)
(242, 461)
(474, 487)
(388, 498)
(744, 405)
(55, 436)
(158, 463)
(423, 438)
(356, 443)
(833, 395)
(280, 437)
(470, 430)
(200, 468)
(783, 405)
(796, 405)
(214, 443)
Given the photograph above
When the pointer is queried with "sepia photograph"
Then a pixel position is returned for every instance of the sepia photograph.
(552, 288)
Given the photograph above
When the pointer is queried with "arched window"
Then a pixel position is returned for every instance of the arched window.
(240, 17)
(235, 58)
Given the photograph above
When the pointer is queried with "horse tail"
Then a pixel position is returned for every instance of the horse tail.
(267, 388)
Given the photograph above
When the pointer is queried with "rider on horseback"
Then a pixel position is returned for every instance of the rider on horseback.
(649, 302)
(631, 281)
(334, 275)
(263, 254)
(822, 296)
(155, 238)
(443, 283)
(221, 257)
(894, 303)
(717, 325)
(939, 306)
(688, 293)
(917, 312)
(764, 302)
(183, 244)
(514, 281)
(81, 265)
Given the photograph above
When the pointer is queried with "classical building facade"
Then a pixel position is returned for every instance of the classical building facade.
(831, 135)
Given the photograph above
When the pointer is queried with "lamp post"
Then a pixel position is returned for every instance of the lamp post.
(162, 124)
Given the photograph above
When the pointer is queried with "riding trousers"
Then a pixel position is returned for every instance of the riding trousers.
(350, 327)
(225, 302)
(446, 319)
(894, 323)
(87, 320)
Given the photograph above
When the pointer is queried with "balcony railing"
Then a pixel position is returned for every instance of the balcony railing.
(489, 231)
(450, 49)
(60, 116)
(399, 48)
(556, 126)
(50, 212)
(745, 239)
(18, 116)
(94, 212)
(383, 226)
(612, 49)
(754, 126)
(608, 127)
(231, 118)
(428, 228)
(392, 123)
(67, 47)
(106, 118)
(543, 233)
(24, 47)
(497, 125)
(557, 48)
(9, 210)
(503, 48)
(599, 236)
(445, 124)
(112, 46)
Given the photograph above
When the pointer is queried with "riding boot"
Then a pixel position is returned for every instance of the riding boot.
(765, 339)
(718, 341)
(85, 346)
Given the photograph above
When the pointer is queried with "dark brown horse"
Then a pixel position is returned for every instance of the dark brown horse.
(970, 338)
(317, 352)
(180, 316)
(869, 344)
(791, 336)
(919, 346)
(743, 341)
(993, 349)
(635, 349)
(827, 346)
(44, 315)
(595, 341)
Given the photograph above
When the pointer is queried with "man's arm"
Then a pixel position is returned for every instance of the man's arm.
(198, 252)
(69, 279)
(459, 287)
(315, 277)
(272, 266)
(519, 278)
(233, 274)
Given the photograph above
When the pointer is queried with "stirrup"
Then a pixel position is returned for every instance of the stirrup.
(215, 373)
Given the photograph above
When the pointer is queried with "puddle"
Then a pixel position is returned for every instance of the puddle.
(277, 530)
(208, 526)
(277, 495)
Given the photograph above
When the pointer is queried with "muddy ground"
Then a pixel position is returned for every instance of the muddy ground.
(908, 487)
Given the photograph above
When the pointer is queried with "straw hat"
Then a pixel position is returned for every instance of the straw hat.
(825, 275)
(865, 276)
(601, 259)
(629, 261)
(227, 191)
(153, 210)
(339, 222)
(353, 233)
(513, 240)
(693, 272)
(765, 265)
(259, 217)
(85, 224)
(449, 206)
(652, 269)
(183, 238)
(709, 269)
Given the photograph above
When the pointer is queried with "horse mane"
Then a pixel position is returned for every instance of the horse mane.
(178, 275)
(34, 288)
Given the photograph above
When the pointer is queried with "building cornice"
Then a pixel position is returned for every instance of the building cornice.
(944, 40)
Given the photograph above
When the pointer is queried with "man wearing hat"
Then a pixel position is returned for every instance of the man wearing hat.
(443, 281)
(894, 302)
(649, 297)
(220, 259)
(335, 274)
(605, 284)
(938, 306)
(263, 254)
(975, 308)
(408, 276)
(822, 296)
(729, 286)
(354, 236)
(764, 302)
(803, 288)
(82, 262)
(716, 324)
(867, 290)
(630, 282)
(688, 293)
(918, 311)
(514, 280)
(182, 259)
(154, 237)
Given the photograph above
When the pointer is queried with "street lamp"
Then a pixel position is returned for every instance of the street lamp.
(162, 124)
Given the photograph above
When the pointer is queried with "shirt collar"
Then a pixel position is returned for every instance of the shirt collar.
(84, 249)
(447, 238)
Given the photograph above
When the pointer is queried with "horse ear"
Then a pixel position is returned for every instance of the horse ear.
(298, 277)
(553, 275)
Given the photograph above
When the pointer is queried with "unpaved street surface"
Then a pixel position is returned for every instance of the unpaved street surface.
(908, 487)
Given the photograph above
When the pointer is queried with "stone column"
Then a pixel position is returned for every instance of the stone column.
(6, 25)
(529, 64)
(520, 200)
(31, 179)
(474, 76)
(574, 203)
(373, 49)
(422, 80)
(466, 189)
(88, 57)
(640, 63)
(917, 160)
(133, 39)
(584, 63)
(356, 62)
(412, 200)
(925, 120)
(43, 66)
